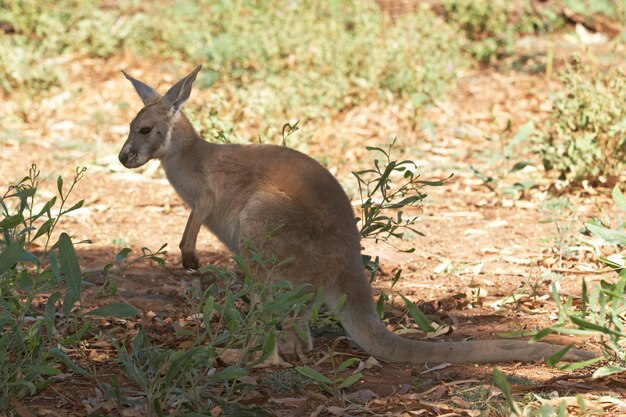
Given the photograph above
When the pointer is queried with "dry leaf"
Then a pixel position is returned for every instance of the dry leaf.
(19, 408)
(337, 411)
(436, 368)
(460, 402)
(372, 362)
(314, 395)
(298, 402)
(362, 396)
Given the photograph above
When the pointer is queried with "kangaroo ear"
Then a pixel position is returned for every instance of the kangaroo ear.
(180, 92)
(146, 93)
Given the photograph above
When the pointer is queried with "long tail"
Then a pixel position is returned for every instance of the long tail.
(359, 318)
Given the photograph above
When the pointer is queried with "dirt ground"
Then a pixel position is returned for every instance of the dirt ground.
(480, 245)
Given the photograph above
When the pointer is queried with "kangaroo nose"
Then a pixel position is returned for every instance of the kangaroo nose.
(123, 157)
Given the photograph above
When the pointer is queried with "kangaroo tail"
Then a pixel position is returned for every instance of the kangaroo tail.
(359, 318)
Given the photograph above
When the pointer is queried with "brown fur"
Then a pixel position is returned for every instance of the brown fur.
(241, 192)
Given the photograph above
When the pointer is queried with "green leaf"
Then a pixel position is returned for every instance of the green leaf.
(520, 165)
(23, 195)
(581, 364)
(25, 281)
(349, 381)
(230, 373)
(380, 304)
(553, 359)
(586, 325)
(562, 330)
(619, 198)
(43, 369)
(29, 385)
(347, 363)
(500, 380)
(46, 208)
(69, 265)
(268, 347)
(317, 303)
(418, 316)
(45, 227)
(183, 361)
(57, 353)
(438, 183)
(50, 311)
(584, 297)
(68, 302)
(207, 312)
(375, 148)
(138, 342)
(313, 374)
(523, 134)
(612, 236)
(74, 207)
(121, 255)
(11, 254)
(12, 222)
(114, 310)
(54, 266)
(608, 370)
(60, 185)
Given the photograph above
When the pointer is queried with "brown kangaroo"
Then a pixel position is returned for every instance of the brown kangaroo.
(241, 192)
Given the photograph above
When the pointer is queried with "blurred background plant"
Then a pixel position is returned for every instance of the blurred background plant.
(491, 27)
(313, 59)
(585, 138)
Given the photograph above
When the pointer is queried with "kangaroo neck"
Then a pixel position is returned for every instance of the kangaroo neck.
(180, 140)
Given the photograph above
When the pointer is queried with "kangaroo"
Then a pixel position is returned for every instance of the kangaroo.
(241, 192)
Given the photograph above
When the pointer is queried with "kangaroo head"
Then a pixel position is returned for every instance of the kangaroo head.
(151, 130)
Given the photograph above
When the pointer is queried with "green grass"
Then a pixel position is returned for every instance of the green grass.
(275, 60)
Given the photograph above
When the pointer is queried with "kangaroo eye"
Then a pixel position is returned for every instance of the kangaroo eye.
(145, 130)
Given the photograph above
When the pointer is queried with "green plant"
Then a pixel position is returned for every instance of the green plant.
(42, 35)
(612, 9)
(503, 160)
(29, 350)
(285, 380)
(338, 382)
(586, 138)
(486, 26)
(603, 308)
(353, 55)
(274, 60)
(37, 276)
(230, 317)
(385, 190)
(560, 213)
(491, 27)
(532, 409)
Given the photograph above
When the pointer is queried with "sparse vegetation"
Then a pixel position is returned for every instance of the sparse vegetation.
(586, 139)
(559, 213)
(492, 27)
(32, 285)
(313, 59)
(335, 78)
(603, 306)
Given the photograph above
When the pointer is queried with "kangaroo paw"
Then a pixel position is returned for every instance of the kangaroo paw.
(191, 261)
